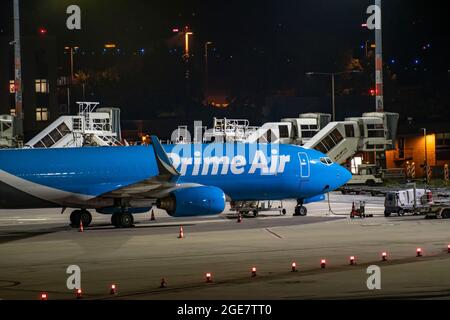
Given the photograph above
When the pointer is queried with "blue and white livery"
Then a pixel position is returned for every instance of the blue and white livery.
(184, 180)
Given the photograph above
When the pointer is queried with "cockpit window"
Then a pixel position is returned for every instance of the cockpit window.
(326, 161)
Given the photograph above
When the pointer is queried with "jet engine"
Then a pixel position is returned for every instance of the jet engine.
(195, 201)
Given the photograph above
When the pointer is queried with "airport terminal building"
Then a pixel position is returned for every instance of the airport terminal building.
(39, 74)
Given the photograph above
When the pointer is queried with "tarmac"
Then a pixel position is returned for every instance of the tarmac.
(37, 247)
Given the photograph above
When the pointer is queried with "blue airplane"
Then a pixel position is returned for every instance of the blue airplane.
(185, 180)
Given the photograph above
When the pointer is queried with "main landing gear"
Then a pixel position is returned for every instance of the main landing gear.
(300, 210)
(80, 216)
(122, 220)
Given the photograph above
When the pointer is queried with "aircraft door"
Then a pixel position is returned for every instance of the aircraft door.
(304, 165)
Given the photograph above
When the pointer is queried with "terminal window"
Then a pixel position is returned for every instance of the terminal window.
(41, 114)
(12, 86)
(42, 86)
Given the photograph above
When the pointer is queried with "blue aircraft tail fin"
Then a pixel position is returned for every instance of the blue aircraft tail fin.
(164, 164)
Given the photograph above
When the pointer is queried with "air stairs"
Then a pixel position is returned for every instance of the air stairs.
(91, 127)
(340, 140)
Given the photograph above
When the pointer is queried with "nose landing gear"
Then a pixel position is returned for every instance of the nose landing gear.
(300, 210)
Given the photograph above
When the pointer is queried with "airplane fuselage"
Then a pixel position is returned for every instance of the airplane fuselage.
(80, 177)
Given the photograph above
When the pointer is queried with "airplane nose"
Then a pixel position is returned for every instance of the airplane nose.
(342, 176)
(346, 175)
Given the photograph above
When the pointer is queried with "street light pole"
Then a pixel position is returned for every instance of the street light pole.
(379, 63)
(332, 75)
(187, 55)
(206, 73)
(18, 72)
(72, 76)
(71, 63)
(426, 153)
(333, 98)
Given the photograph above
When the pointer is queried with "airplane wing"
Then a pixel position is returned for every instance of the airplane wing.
(154, 187)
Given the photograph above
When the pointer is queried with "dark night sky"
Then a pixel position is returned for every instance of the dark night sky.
(316, 28)
(284, 38)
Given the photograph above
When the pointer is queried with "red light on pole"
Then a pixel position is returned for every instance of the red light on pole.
(254, 272)
(384, 256)
(208, 277)
(323, 263)
(42, 31)
(44, 296)
(352, 260)
(372, 92)
(79, 294)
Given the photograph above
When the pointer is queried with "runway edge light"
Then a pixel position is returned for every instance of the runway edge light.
(384, 256)
(113, 289)
(208, 277)
(323, 263)
(294, 267)
(419, 252)
(253, 271)
(44, 296)
(448, 248)
(79, 294)
(352, 260)
(163, 283)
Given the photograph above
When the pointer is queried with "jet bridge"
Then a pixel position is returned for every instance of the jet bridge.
(91, 127)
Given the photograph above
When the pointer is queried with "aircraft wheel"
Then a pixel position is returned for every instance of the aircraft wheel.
(401, 213)
(86, 217)
(115, 220)
(125, 220)
(75, 218)
(445, 214)
(301, 211)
